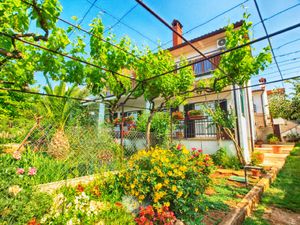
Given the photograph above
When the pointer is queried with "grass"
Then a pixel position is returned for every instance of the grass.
(284, 192)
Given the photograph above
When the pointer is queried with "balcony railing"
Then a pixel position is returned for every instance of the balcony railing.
(202, 128)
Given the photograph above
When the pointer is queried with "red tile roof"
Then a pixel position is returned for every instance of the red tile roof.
(221, 30)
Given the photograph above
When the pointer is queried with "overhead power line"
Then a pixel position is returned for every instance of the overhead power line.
(206, 22)
(249, 86)
(122, 17)
(177, 33)
(44, 94)
(233, 49)
(272, 50)
(67, 56)
(89, 33)
(287, 43)
(85, 15)
(95, 100)
(124, 24)
(276, 14)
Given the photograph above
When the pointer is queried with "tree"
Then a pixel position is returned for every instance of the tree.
(120, 58)
(279, 105)
(57, 111)
(236, 68)
(19, 61)
(165, 91)
(295, 100)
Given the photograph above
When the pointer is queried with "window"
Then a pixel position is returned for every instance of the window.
(206, 66)
(254, 108)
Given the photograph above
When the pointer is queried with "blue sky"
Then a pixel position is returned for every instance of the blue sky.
(192, 13)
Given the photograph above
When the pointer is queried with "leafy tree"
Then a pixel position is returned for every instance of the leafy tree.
(279, 105)
(295, 100)
(19, 61)
(119, 58)
(165, 91)
(236, 68)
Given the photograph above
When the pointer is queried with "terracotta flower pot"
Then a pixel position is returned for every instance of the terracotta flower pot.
(179, 135)
(261, 157)
(255, 173)
(276, 149)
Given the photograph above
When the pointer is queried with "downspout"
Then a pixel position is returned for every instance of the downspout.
(263, 108)
(250, 123)
(236, 113)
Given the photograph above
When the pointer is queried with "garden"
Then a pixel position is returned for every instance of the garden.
(159, 186)
(59, 135)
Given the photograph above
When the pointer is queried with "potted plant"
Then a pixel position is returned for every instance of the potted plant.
(255, 173)
(129, 120)
(195, 114)
(117, 121)
(257, 158)
(259, 143)
(177, 115)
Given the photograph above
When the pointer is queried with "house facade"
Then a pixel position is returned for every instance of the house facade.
(202, 132)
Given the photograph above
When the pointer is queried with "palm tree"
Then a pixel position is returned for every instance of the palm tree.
(58, 111)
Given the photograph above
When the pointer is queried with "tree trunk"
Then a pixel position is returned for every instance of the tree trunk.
(239, 152)
(148, 129)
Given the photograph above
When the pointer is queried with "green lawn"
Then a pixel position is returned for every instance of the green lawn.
(284, 192)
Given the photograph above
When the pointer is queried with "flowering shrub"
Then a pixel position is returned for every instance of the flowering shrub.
(150, 216)
(174, 178)
(86, 205)
(177, 115)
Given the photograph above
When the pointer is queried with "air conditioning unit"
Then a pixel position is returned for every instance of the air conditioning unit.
(221, 43)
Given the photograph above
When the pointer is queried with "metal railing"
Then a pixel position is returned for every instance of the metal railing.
(202, 128)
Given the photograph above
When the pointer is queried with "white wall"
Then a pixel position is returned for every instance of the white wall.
(208, 146)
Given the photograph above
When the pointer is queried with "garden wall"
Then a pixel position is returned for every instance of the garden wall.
(209, 146)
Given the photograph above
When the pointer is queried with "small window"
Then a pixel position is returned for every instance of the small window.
(254, 108)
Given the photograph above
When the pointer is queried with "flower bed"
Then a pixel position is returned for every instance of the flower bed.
(154, 187)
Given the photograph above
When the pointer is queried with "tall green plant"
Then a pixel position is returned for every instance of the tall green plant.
(58, 111)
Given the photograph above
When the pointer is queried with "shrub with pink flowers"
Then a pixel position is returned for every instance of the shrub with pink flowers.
(152, 216)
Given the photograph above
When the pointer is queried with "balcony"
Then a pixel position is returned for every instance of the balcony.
(205, 67)
(202, 128)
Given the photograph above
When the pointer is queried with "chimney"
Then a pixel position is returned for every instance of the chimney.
(177, 26)
(262, 82)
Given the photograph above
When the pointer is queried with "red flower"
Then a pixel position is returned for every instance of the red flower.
(200, 150)
(79, 188)
(178, 147)
(118, 204)
(33, 221)
(96, 191)
(194, 149)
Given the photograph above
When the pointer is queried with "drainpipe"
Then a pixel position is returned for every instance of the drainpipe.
(250, 123)
(236, 113)
(263, 108)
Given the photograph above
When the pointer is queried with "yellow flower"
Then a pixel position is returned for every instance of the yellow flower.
(158, 186)
(170, 173)
(179, 194)
(196, 209)
(167, 204)
(185, 151)
(166, 181)
(141, 197)
(174, 188)
(132, 186)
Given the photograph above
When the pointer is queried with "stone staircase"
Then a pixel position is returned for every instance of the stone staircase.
(274, 159)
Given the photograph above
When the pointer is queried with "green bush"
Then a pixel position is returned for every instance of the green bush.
(222, 159)
(174, 178)
(160, 126)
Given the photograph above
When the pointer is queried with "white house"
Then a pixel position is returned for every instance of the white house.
(201, 132)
